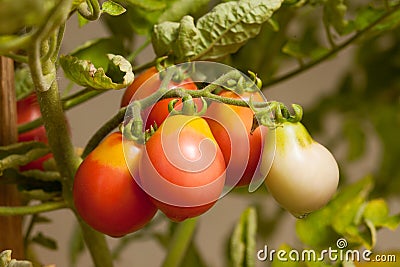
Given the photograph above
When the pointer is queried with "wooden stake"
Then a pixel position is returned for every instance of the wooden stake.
(10, 226)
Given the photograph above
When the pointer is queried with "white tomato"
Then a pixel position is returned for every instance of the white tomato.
(304, 175)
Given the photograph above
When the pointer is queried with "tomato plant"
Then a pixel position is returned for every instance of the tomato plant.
(183, 168)
(118, 182)
(106, 196)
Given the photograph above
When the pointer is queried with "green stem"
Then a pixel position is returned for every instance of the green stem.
(333, 51)
(180, 242)
(25, 210)
(97, 245)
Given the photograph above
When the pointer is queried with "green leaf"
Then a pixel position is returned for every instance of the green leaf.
(82, 21)
(84, 73)
(321, 228)
(377, 212)
(6, 261)
(96, 51)
(45, 241)
(112, 8)
(243, 240)
(220, 32)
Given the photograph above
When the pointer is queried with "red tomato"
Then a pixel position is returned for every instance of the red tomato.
(105, 194)
(151, 83)
(183, 169)
(28, 110)
(231, 125)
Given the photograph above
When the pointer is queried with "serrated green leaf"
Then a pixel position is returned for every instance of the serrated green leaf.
(84, 73)
(112, 8)
(220, 32)
(45, 241)
(7, 261)
(243, 243)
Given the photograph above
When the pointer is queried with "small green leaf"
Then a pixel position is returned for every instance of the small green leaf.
(82, 21)
(112, 8)
(243, 240)
(45, 241)
(6, 261)
(377, 212)
(84, 73)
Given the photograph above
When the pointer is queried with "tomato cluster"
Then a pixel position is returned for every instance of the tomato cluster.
(190, 161)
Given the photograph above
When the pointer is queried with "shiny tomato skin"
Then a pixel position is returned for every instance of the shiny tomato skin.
(182, 168)
(106, 195)
(231, 126)
(159, 111)
(28, 110)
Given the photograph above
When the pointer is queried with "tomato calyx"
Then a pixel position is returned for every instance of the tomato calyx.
(189, 107)
(275, 114)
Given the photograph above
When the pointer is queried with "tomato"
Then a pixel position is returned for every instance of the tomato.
(151, 83)
(105, 194)
(304, 175)
(231, 126)
(28, 110)
(183, 168)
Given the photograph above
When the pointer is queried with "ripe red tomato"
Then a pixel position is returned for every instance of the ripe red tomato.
(151, 83)
(28, 110)
(105, 194)
(231, 126)
(182, 168)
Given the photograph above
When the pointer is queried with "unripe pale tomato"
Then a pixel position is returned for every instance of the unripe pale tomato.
(231, 127)
(159, 111)
(28, 110)
(304, 175)
(183, 168)
(106, 195)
